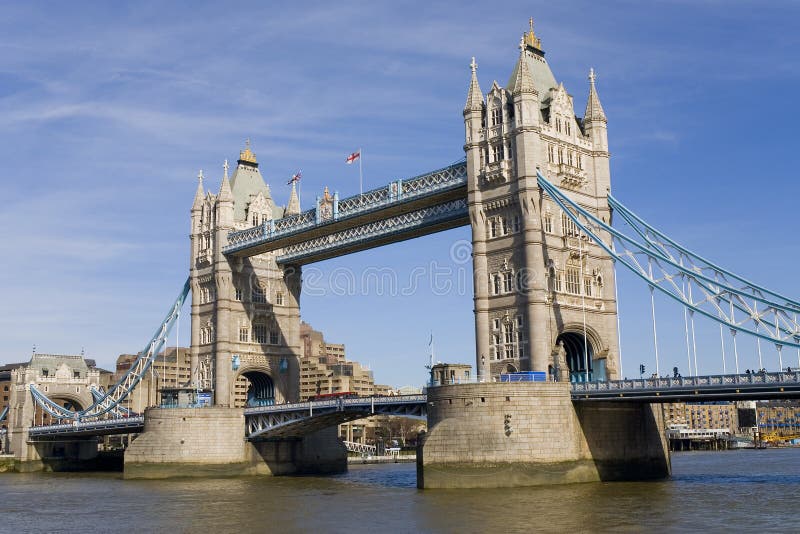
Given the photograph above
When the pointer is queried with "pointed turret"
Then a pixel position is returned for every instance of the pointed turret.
(225, 194)
(522, 81)
(293, 207)
(199, 194)
(594, 110)
(474, 95)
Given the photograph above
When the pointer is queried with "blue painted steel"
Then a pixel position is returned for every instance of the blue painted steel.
(110, 401)
(4, 414)
(392, 226)
(634, 219)
(524, 376)
(786, 330)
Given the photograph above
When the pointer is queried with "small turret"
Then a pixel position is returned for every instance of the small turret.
(197, 205)
(293, 207)
(594, 110)
(474, 94)
(522, 81)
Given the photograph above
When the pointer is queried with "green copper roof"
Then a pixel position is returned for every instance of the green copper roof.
(247, 182)
(543, 79)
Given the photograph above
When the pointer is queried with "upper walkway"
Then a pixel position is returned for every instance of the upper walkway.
(401, 210)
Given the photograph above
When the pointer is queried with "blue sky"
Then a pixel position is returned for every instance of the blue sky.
(107, 111)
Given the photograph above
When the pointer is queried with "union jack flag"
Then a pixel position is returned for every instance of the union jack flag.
(295, 178)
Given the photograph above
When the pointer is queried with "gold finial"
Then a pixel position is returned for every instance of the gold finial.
(530, 37)
(247, 155)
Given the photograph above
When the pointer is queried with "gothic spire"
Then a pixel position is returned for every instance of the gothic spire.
(594, 111)
(293, 207)
(198, 195)
(474, 95)
(522, 82)
(225, 194)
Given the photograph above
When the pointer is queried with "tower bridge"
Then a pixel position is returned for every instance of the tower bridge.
(535, 188)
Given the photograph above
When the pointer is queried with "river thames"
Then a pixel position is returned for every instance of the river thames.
(748, 490)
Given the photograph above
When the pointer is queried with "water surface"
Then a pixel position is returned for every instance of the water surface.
(748, 490)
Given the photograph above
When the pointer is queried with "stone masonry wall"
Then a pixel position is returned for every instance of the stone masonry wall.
(522, 434)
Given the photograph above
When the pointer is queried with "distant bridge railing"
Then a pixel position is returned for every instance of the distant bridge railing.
(301, 418)
(361, 448)
(396, 192)
(730, 387)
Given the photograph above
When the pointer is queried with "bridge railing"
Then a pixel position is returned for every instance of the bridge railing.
(689, 381)
(395, 192)
(93, 425)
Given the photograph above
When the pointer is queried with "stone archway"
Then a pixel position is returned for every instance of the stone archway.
(579, 356)
(70, 402)
(253, 388)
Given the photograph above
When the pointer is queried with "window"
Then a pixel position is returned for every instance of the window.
(244, 334)
(503, 225)
(569, 130)
(497, 116)
(569, 158)
(238, 292)
(508, 282)
(497, 152)
(515, 224)
(45, 373)
(274, 337)
(493, 227)
(561, 155)
(509, 340)
(573, 285)
(569, 226)
(551, 154)
(279, 298)
(548, 223)
(587, 287)
(496, 324)
(259, 333)
(579, 160)
(558, 125)
(495, 346)
(495, 284)
(76, 374)
(258, 295)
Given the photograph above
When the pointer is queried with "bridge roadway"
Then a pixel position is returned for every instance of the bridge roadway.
(403, 209)
(281, 421)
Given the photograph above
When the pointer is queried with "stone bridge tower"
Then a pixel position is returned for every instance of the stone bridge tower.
(64, 379)
(541, 288)
(245, 311)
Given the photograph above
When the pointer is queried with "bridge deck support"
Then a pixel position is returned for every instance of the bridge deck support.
(182, 442)
(527, 434)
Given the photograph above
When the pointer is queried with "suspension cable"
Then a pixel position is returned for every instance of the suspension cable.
(653, 310)
(582, 288)
(722, 344)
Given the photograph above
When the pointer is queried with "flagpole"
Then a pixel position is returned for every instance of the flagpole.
(360, 175)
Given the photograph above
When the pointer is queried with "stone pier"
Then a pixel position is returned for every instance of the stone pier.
(198, 442)
(531, 433)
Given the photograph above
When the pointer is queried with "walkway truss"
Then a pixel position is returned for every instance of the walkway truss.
(108, 404)
(403, 209)
(698, 284)
(303, 418)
